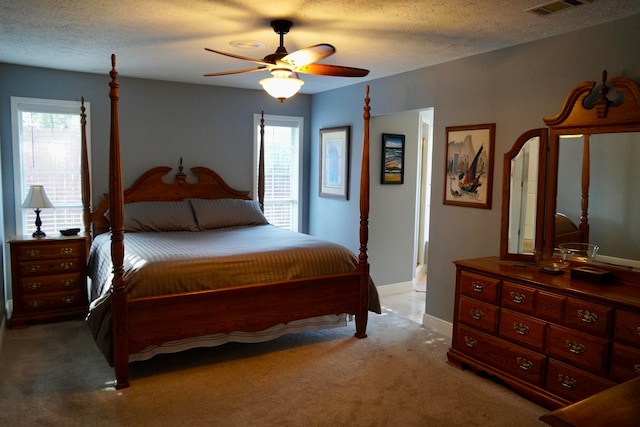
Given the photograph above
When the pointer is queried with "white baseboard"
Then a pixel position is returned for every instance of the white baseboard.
(441, 326)
(395, 288)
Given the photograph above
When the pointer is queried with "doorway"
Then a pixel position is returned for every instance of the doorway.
(423, 195)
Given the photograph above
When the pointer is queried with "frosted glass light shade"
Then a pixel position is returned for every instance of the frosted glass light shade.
(281, 86)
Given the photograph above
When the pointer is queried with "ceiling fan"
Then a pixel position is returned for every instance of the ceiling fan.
(284, 66)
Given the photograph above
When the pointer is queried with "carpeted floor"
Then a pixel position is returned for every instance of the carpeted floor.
(53, 375)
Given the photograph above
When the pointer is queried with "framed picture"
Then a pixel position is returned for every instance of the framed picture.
(334, 162)
(469, 168)
(392, 159)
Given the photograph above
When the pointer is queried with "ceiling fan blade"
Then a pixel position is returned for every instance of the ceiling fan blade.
(309, 54)
(332, 70)
(246, 58)
(246, 70)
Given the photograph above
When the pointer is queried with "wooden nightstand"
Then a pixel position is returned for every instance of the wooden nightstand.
(48, 279)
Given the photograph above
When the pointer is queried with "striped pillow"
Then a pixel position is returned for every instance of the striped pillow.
(220, 213)
(159, 216)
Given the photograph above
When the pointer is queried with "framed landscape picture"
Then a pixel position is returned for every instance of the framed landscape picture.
(334, 162)
(392, 159)
(469, 168)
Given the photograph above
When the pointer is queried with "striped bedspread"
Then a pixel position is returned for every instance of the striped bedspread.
(159, 263)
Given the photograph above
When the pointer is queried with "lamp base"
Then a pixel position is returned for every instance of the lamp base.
(39, 233)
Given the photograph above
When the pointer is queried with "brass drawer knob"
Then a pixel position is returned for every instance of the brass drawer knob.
(34, 285)
(575, 348)
(66, 251)
(33, 268)
(567, 381)
(34, 303)
(517, 297)
(587, 316)
(524, 364)
(32, 253)
(476, 314)
(470, 341)
(478, 286)
(521, 328)
(636, 368)
(68, 283)
(68, 299)
(66, 265)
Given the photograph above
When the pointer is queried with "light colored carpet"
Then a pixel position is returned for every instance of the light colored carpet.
(53, 375)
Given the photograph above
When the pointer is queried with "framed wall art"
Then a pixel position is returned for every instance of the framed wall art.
(334, 162)
(469, 168)
(392, 159)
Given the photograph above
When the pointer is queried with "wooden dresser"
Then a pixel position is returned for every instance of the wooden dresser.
(554, 339)
(48, 278)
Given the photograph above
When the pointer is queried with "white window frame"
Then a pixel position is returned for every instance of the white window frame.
(282, 120)
(42, 106)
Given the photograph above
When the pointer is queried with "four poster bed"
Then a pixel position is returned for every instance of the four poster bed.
(154, 248)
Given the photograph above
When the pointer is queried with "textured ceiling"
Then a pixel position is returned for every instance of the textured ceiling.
(165, 39)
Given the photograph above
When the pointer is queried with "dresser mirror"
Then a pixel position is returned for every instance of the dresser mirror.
(591, 172)
(522, 233)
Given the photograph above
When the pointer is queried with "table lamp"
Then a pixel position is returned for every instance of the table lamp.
(37, 198)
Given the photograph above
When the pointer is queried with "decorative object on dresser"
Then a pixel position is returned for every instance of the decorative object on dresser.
(37, 199)
(559, 338)
(48, 276)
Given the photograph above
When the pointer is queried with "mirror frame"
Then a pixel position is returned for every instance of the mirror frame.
(506, 196)
(580, 115)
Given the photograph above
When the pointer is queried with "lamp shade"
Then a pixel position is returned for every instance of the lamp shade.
(37, 198)
(281, 86)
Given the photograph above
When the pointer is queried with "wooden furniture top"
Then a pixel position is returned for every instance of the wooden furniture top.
(619, 292)
(617, 406)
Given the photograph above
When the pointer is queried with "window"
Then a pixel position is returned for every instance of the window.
(47, 151)
(282, 156)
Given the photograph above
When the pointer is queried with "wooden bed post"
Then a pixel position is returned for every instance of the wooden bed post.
(85, 177)
(261, 164)
(116, 214)
(363, 264)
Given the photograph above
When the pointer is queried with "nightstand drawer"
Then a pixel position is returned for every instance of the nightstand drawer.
(61, 249)
(59, 282)
(585, 351)
(54, 300)
(478, 314)
(49, 266)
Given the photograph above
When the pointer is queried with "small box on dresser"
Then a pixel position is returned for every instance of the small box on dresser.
(554, 339)
(48, 279)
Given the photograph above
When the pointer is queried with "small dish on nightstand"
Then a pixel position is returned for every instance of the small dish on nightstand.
(70, 231)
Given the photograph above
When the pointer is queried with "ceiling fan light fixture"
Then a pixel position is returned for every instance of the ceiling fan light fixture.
(280, 85)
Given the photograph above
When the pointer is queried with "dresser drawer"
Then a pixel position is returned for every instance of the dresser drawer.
(589, 317)
(525, 364)
(523, 329)
(478, 314)
(550, 306)
(585, 351)
(572, 383)
(53, 300)
(627, 327)
(625, 363)
(480, 287)
(49, 266)
(58, 282)
(61, 249)
(519, 297)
